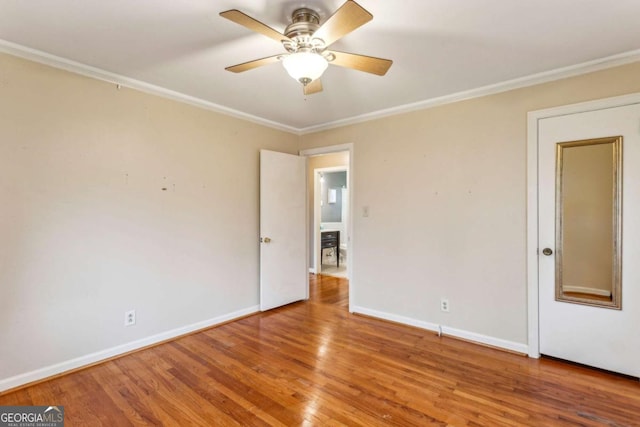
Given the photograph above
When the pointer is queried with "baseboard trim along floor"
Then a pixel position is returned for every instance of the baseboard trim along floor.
(446, 330)
(48, 372)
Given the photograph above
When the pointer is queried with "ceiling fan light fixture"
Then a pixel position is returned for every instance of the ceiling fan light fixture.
(305, 41)
(305, 67)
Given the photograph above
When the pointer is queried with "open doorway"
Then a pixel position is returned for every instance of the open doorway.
(329, 184)
(331, 213)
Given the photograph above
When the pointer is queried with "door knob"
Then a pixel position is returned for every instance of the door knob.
(266, 239)
(547, 251)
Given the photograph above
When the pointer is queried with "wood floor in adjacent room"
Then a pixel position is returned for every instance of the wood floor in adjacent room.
(313, 363)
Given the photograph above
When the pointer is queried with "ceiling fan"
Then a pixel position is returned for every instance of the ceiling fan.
(307, 42)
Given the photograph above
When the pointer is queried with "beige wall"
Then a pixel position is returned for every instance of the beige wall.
(446, 191)
(88, 231)
(317, 162)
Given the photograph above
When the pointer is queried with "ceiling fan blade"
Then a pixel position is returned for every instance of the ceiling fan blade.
(313, 87)
(245, 20)
(245, 66)
(368, 64)
(346, 19)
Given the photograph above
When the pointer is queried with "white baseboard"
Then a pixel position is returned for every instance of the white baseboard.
(396, 318)
(458, 333)
(79, 362)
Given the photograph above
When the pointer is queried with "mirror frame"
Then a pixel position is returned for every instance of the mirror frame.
(616, 289)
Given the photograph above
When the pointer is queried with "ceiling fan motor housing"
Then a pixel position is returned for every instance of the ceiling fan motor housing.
(304, 22)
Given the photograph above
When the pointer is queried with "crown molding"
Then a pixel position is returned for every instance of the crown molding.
(99, 74)
(521, 82)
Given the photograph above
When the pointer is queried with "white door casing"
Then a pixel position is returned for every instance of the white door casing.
(351, 185)
(283, 214)
(594, 336)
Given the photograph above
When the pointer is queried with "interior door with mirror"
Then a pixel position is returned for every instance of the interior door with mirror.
(589, 238)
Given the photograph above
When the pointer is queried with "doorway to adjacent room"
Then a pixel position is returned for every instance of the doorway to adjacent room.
(331, 211)
(329, 184)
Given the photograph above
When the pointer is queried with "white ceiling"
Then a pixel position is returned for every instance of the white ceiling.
(439, 47)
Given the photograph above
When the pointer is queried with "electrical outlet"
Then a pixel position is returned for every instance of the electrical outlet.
(444, 304)
(130, 318)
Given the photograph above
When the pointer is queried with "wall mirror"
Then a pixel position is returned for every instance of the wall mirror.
(589, 222)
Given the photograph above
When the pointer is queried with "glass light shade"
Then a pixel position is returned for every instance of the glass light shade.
(305, 66)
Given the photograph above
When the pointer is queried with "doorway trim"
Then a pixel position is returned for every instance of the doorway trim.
(329, 150)
(533, 119)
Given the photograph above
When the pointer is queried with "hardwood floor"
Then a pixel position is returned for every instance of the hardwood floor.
(313, 363)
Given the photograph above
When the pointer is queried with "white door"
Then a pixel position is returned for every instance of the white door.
(283, 248)
(594, 336)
